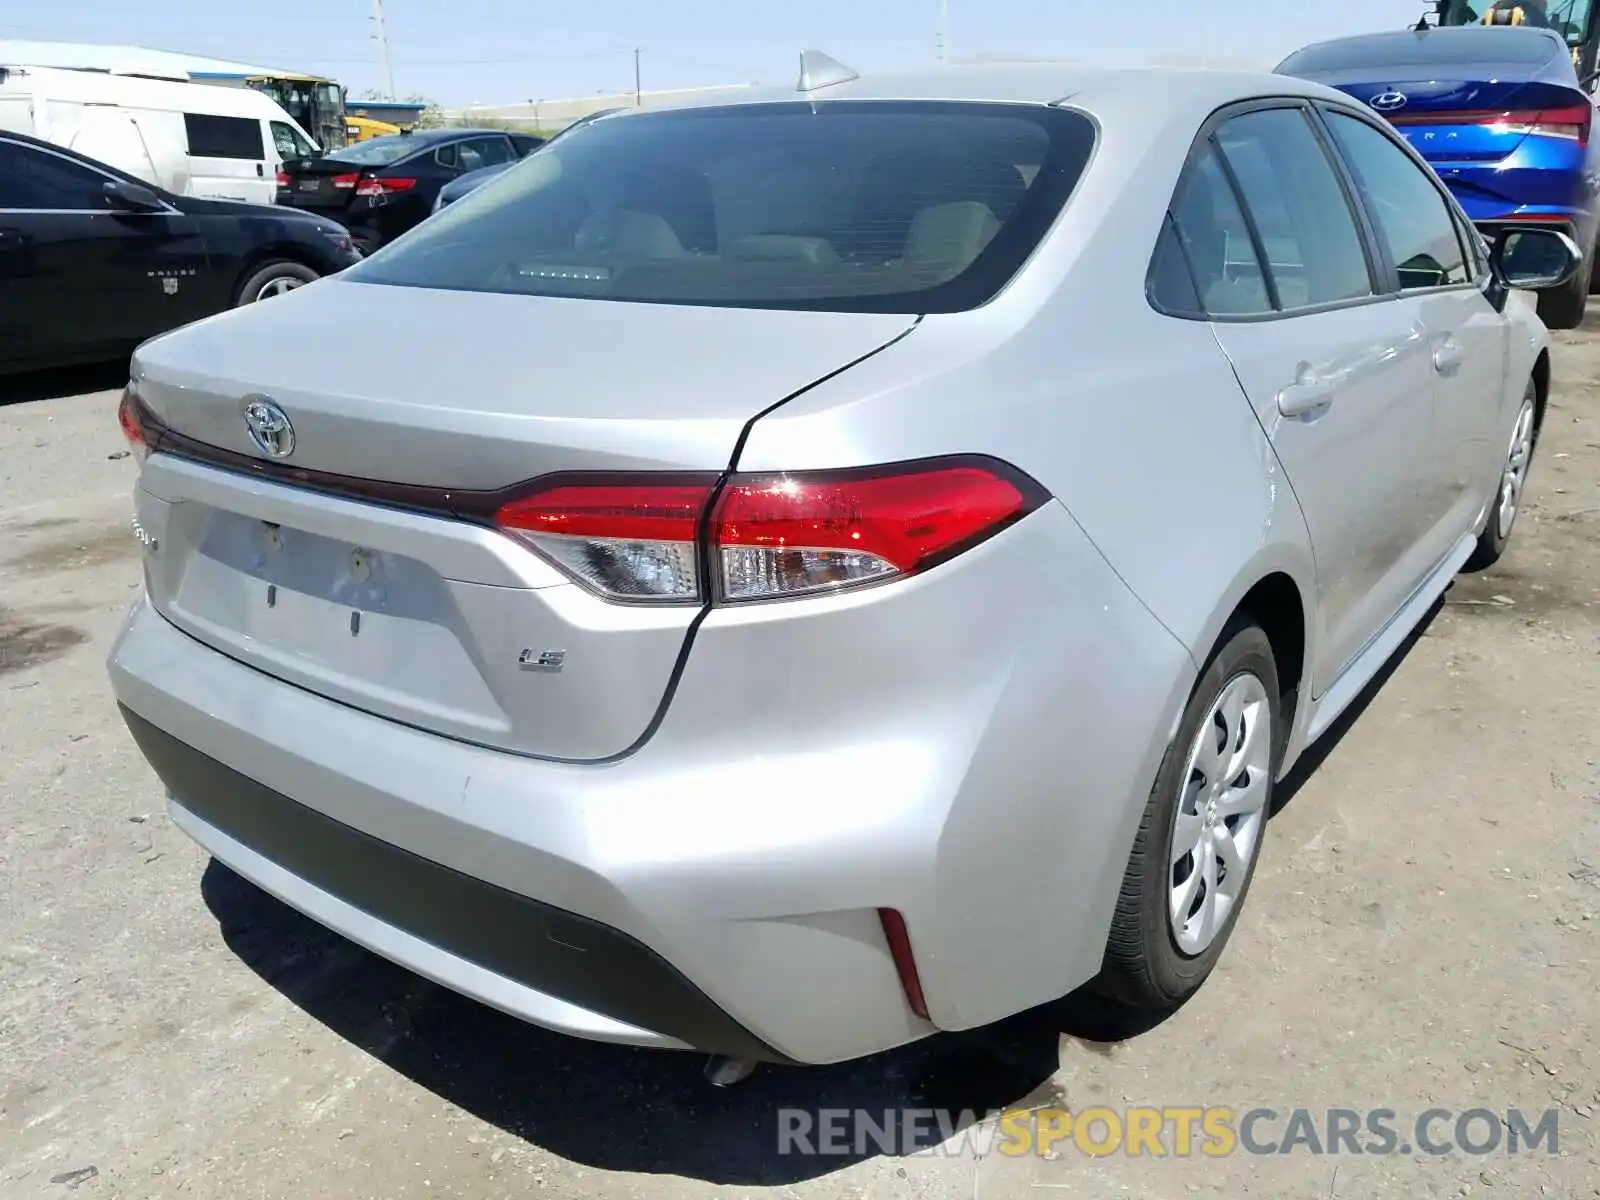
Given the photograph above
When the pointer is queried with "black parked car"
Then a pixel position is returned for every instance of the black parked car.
(380, 188)
(93, 262)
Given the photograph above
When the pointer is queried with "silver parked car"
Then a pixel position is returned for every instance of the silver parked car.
(925, 517)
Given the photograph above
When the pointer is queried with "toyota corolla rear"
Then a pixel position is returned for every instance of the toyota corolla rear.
(1498, 112)
(484, 651)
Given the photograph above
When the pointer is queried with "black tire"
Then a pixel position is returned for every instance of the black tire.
(278, 271)
(1144, 966)
(1564, 307)
(1496, 533)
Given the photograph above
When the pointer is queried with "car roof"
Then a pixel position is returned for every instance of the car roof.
(1096, 88)
(438, 135)
(1451, 38)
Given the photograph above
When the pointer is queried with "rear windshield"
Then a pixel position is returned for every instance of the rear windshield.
(377, 152)
(842, 206)
(1456, 47)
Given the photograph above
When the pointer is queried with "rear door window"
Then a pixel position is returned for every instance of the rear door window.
(1294, 195)
(485, 152)
(223, 137)
(877, 206)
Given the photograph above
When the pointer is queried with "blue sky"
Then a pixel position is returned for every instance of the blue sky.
(506, 51)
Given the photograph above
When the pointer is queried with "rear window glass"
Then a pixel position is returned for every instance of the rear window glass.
(1443, 48)
(223, 137)
(377, 152)
(840, 206)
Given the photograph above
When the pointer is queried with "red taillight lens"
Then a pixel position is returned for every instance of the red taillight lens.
(384, 187)
(128, 417)
(346, 181)
(772, 537)
(1573, 123)
(783, 535)
(626, 540)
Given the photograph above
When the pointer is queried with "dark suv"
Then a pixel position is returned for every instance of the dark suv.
(380, 188)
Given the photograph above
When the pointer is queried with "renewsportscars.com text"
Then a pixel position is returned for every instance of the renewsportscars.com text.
(1160, 1132)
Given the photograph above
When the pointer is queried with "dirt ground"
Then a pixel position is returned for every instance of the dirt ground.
(1424, 932)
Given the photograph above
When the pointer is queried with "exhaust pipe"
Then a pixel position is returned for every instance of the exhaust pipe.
(723, 1071)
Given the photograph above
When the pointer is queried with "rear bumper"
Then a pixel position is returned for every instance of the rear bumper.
(503, 947)
(972, 748)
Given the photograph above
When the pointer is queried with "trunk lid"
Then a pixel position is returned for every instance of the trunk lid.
(321, 184)
(444, 624)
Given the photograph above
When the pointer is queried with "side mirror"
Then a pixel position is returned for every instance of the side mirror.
(130, 197)
(1534, 260)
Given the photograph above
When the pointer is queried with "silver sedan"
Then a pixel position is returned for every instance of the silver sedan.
(807, 572)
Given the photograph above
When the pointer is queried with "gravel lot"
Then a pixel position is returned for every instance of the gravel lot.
(1424, 932)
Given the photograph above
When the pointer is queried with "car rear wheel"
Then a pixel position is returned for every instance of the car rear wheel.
(1201, 834)
(275, 279)
(1507, 503)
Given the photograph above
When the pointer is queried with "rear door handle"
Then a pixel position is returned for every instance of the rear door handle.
(1447, 358)
(1308, 395)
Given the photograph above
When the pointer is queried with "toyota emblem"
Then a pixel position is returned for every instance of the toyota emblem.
(269, 426)
(1389, 101)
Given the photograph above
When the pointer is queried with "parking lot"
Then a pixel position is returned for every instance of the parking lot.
(1424, 933)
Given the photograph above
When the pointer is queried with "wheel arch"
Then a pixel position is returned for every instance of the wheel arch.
(1276, 591)
(1541, 386)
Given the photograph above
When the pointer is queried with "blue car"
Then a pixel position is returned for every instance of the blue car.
(1500, 114)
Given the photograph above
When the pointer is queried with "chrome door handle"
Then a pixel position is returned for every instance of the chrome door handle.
(1447, 359)
(1307, 396)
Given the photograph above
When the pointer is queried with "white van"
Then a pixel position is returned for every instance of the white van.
(219, 143)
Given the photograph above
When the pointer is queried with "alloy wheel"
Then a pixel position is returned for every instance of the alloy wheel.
(1221, 813)
(277, 286)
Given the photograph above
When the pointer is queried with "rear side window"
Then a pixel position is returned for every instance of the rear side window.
(1410, 211)
(1216, 241)
(880, 206)
(1293, 193)
(223, 137)
(1171, 285)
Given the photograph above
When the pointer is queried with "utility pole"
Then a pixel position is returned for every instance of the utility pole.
(383, 45)
(944, 31)
(638, 90)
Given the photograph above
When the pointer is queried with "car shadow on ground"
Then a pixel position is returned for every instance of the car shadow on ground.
(621, 1109)
(63, 382)
(1311, 761)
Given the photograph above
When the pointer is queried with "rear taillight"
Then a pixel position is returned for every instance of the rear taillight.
(133, 426)
(344, 182)
(283, 179)
(769, 537)
(626, 540)
(781, 535)
(384, 187)
(1573, 123)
